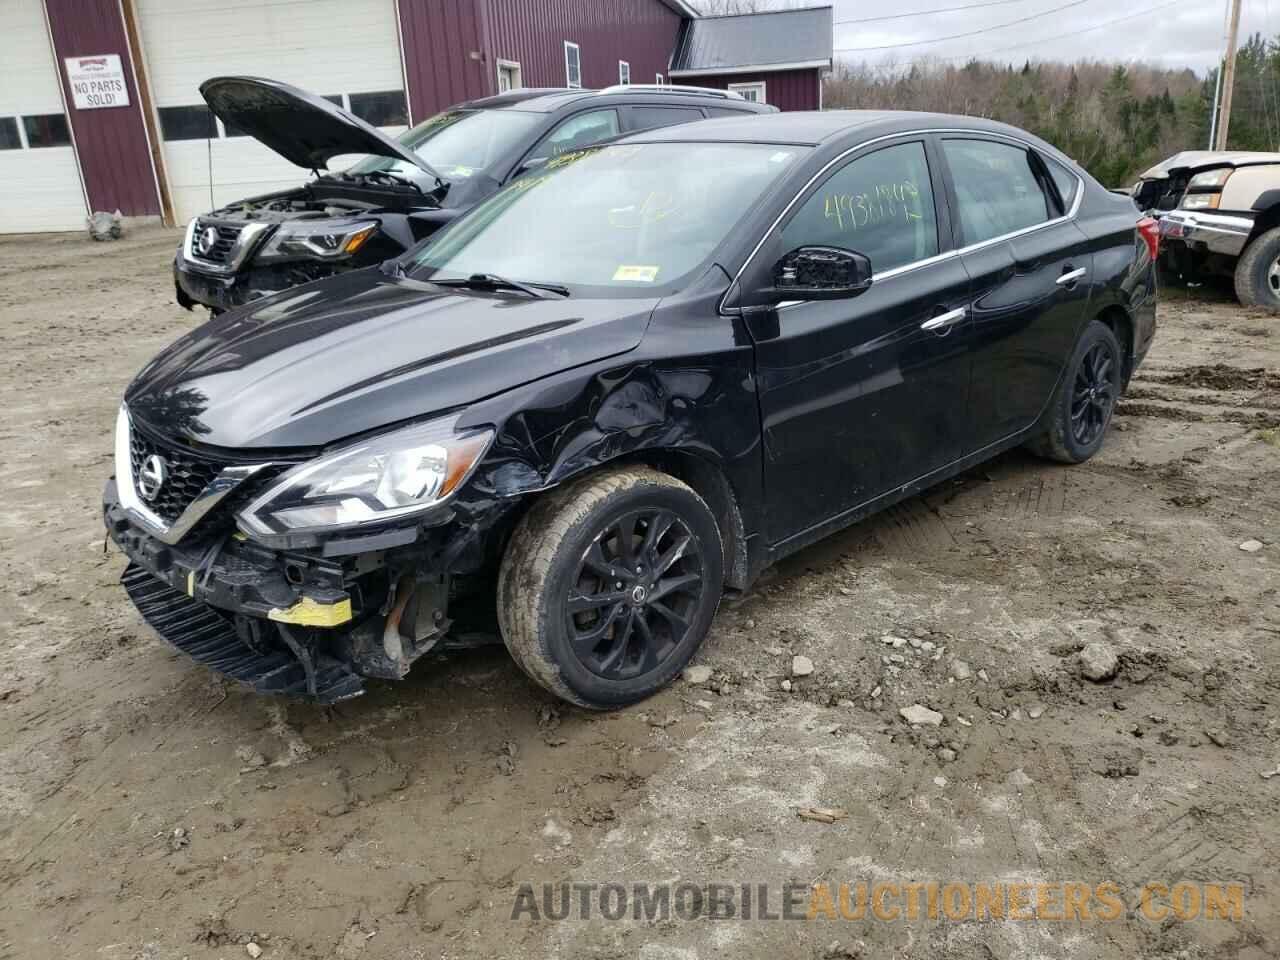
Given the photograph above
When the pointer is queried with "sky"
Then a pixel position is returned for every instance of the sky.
(1181, 33)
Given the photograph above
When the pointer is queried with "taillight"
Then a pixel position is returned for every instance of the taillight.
(1149, 230)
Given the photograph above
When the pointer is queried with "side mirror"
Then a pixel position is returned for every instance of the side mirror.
(818, 273)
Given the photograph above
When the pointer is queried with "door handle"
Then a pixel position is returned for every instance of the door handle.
(1071, 276)
(944, 320)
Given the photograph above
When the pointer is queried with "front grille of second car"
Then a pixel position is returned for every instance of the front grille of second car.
(221, 251)
(188, 475)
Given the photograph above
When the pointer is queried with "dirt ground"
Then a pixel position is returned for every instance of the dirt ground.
(148, 810)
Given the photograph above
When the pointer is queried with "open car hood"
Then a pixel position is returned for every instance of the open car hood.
(304, 129)
(1192, 159)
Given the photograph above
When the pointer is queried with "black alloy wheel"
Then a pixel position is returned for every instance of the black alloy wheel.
(1093, 394)
(635, 595)
(1076, 420)
(609, 585)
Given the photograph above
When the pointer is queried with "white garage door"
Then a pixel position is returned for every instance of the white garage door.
(39, 181)
(347, 51)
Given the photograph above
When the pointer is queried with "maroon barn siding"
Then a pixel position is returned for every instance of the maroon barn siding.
(111, 143)
(444, 53)
(785, 89)
(532, 33)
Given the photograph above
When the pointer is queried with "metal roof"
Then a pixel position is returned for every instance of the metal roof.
(773, 40)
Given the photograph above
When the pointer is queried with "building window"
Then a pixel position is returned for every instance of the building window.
(572, 65)
(659, 80)
(47, 130)
(9, 136)
(187, 123)
(749, 91)
(386, 108)
(508, 76)
(624, 72)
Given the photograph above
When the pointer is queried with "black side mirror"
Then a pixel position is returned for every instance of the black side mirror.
(818, 273)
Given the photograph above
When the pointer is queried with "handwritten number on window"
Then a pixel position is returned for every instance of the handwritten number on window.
(880, 204)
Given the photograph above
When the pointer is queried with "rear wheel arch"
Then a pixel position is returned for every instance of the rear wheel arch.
(1120, 323)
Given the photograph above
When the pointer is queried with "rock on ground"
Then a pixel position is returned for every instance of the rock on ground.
(1098, 662)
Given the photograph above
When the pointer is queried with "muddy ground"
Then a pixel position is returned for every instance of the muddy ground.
(148, 810)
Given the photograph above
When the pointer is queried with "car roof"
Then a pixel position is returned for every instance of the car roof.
(811, 128)
(550, 99)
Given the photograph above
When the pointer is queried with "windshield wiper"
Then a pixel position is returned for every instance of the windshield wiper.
(490, 281)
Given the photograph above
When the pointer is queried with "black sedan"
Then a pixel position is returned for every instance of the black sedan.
(626, 383)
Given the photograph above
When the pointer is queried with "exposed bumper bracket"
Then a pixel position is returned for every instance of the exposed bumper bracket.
(208, 637)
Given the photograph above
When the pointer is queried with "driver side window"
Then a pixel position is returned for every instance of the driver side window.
(880, 205)
(577, 132)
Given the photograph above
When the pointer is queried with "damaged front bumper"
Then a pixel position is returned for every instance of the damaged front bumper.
(1207, 232)
(283, 622)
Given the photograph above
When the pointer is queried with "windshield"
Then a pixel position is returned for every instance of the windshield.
(625, 216)
(457, 144)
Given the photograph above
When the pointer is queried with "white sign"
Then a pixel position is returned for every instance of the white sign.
(97, 82)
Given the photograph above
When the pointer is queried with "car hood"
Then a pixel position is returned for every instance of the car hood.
(304, 129)
(1192, 159)
(363, 351)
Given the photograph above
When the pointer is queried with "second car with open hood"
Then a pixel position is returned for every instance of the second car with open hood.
(388, 193)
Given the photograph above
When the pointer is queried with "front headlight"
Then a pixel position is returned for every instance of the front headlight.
(1210, 178)
(378, 479)
(316, 239)
(1201, 201)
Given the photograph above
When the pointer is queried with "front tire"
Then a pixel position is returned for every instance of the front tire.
(609, 585)
(1258, 272)
(1081, 408)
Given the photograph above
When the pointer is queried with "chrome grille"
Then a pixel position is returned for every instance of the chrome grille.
(188, 475)
(221, 250)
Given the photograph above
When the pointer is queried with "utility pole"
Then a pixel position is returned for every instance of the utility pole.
(1229, 75)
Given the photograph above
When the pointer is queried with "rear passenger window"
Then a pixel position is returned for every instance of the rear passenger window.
(577, 132)
(880, 205)
(1066, 182)
(645, 118)
(997, 191)
(726, 112)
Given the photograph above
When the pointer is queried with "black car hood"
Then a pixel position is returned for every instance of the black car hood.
(361, 351)
(304, 129)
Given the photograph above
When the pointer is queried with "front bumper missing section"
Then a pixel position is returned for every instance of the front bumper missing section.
(287, 622)
(208, 637)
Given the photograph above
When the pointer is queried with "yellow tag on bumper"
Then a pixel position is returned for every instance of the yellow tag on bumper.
(308, 613)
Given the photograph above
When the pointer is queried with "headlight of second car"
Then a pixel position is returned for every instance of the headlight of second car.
(381, 478)
(316, 240)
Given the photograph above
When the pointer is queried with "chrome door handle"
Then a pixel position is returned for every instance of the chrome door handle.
(944, 319)
(1071, 277)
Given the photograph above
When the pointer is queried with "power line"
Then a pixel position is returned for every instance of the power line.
(959, 36)
(1057, 36)
(925, 13)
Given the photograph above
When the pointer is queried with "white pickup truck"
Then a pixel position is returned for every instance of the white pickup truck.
(1219, 212)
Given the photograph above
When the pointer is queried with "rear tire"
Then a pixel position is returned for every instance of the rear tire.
(609, 585)
(1081, 408)
(1258, 272)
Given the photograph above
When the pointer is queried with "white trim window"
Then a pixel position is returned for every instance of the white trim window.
(658, 79)
(749, 91)
(508, 76)
(624, 72)
(572, 65)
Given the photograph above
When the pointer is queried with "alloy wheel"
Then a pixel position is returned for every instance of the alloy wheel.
(635, 595)
(1093, 394)
(1273, 278)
